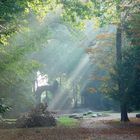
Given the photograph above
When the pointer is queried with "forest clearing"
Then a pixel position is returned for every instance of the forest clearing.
(69, 69)
(85, 129)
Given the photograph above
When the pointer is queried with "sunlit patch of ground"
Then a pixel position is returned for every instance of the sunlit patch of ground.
(101, 130)
(65, 121)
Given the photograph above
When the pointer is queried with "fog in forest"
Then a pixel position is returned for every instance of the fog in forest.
(62, 54)
(69, 69)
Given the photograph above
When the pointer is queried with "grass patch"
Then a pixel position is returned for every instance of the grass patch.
(66, 121)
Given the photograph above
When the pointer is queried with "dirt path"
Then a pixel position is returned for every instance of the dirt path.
(98, 128)
(110, 129)
(98, 122)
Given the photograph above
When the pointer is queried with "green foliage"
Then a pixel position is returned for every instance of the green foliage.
(128, 70)
(130, 74)
(100, 12)
(110, 12)
(3, 108)
(66, 121)
(15, 15)
(18, 38)
(10, 11)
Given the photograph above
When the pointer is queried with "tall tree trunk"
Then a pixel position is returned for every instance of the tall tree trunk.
(124, 116)
(123, 103)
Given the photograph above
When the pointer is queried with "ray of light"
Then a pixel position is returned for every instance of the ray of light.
(73, 77)
(82, 64)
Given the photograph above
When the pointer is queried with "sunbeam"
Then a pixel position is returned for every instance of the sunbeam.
(74, 76)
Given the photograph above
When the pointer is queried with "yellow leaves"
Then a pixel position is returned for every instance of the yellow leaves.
(93, 50)
(27, 10)
(41, 8)
(89, 4)
(4, 40)
(96, 23)
(80, 25)
(110, 11)
(104, 36)
(104, 44)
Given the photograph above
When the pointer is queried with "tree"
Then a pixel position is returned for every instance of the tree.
(75, 12)
(104, 12)
(127, 72)
(123, 16)
(16, 41)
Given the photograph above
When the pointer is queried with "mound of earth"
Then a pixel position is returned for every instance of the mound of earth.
(38, 117)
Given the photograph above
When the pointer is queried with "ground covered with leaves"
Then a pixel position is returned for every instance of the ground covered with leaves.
(100, 130)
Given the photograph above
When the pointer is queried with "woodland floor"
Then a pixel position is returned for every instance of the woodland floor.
(88, 129)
